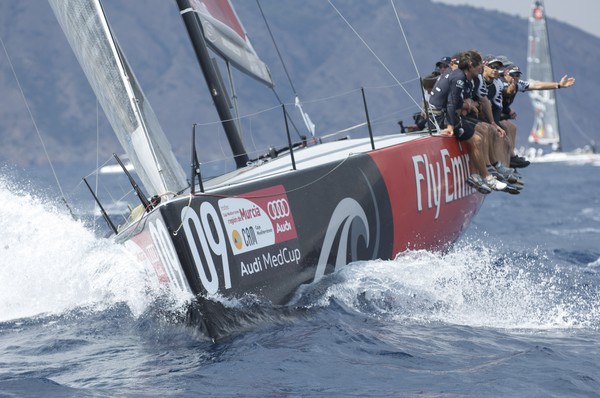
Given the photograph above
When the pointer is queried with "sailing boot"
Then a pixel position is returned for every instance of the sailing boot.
(518, 162)
(492, 170)
(496, 185)
(477, 182)
(510, 175)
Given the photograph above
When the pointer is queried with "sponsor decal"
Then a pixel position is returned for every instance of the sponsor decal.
(257, 220)
(237, 239)
(261, 229)
(167, 254)
(347, 213)
(270, 259)
(144, 252)
(258, 227)
(155, 250)
(433, 173)
(278, 209)
(209, 250)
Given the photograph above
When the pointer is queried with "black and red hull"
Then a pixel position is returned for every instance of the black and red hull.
(268, 236)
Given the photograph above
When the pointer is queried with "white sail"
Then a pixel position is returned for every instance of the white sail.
(539, 68)
(121, 98)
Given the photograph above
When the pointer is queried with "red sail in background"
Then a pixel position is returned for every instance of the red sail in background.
(225, 35)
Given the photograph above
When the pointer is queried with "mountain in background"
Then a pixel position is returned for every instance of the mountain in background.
(324, 58)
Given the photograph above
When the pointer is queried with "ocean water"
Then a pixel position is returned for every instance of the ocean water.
(512, 310)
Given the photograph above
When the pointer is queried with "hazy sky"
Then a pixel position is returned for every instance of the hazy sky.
(583, 14)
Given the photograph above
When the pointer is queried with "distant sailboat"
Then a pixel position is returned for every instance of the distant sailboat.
(545, 130)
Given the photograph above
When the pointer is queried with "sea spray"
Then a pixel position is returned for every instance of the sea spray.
(51, 263)
(472, 285)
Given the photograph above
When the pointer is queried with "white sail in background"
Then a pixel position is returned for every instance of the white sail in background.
(121, 98)
(225, 34)
(539, 68)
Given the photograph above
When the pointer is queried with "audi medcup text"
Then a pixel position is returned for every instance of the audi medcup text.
(261, 263)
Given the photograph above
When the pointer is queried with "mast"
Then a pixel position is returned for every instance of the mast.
(212, 77)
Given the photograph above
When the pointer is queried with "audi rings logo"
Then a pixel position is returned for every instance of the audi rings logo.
(277, 209)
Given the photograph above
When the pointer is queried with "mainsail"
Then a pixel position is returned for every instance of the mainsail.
(119, 94)
(539, 68)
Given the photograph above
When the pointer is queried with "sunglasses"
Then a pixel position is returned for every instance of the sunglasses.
(495, 67)
(516, 74)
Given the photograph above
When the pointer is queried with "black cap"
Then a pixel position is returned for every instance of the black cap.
(505, 61)
(513, 69)
(491, 59)
(444, 61)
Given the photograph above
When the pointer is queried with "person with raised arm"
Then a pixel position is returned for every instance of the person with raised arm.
(448, 98)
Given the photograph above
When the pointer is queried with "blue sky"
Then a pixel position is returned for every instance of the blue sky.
(580, 13)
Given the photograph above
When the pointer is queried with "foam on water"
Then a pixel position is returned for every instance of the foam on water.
(50, 263)
(472, 285)
(591, 213)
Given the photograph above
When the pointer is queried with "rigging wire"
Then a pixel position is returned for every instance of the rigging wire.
(284, 68)
(405, 38)
(567, 113)
(430, 116)
(276, 47)
(97, 155)
(373, 53)
(36, 129)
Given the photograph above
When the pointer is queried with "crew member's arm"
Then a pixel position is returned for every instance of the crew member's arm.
(510, 85)
(455, 104)
(563, 83)
(486, 106)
